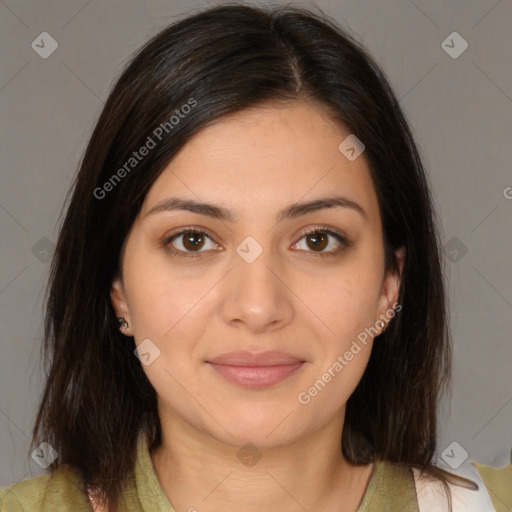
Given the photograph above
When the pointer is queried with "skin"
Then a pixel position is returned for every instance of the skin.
(290, 298)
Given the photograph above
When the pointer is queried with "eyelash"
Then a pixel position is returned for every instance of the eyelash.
(344, 243)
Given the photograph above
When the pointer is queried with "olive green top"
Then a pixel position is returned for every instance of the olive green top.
(390, 488)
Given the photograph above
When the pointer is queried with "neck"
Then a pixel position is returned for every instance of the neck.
(198, 471)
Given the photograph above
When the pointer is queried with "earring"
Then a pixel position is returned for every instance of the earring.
(381, 325)
(122, 322)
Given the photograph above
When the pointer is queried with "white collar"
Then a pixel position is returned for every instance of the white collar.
(432, 497)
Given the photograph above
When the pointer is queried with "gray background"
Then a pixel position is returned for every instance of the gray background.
(460, 110)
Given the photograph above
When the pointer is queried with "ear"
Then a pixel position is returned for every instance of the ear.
(391, 289)
(119, 302)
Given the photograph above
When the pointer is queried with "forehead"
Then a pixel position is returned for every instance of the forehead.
(264, 158)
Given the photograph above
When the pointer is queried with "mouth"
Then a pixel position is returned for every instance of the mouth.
(256, 370)
(256, 377)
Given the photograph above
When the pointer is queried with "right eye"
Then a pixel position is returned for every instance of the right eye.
(189, 241)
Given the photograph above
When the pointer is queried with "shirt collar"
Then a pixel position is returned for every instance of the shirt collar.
(149, 491)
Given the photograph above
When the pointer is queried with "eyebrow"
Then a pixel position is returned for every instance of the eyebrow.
(290, 212)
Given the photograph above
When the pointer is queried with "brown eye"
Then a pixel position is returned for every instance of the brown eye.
(187, 242)
(317, 240)
(193, 241)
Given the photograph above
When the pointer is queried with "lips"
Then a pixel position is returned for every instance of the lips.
(256, 370)
(273, 358)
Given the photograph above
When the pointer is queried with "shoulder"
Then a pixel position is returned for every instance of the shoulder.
(391, 487)
(498, 482)
(63, 490)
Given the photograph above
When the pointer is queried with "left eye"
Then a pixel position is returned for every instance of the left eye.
(318, 240)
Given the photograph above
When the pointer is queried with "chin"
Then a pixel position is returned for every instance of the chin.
(263, 430)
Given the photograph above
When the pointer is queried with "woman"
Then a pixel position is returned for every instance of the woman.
(246, 306)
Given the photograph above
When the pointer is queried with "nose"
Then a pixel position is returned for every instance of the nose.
(255, 295)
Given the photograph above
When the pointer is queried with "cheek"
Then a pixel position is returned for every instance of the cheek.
(164, 299)
(345, 302)
(348, 307)
(344, 374)
(167, 309)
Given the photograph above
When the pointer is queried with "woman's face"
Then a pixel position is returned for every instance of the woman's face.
(254, 280)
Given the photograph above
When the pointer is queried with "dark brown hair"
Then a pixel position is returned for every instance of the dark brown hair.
(97, 399)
